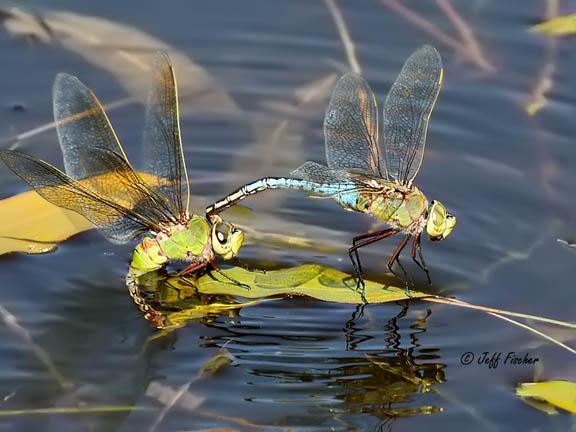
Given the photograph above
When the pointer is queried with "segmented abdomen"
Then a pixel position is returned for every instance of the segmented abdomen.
(341, 192)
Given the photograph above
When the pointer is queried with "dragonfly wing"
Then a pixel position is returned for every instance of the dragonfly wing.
(163, 152)
(81, 122)
(318, 173)
(351, 126)
(406, 113)
(116, 222)
(122, 186)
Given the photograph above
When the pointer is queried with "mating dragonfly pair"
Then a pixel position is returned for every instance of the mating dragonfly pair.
(101, 185)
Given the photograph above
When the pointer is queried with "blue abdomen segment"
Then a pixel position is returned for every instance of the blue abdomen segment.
(344, 193)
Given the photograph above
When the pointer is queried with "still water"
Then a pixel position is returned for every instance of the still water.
(300, 364)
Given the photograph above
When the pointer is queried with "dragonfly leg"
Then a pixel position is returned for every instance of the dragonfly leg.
(417, 247)
(240, 264)
(395, 257)
(361, 241)
(187, 282)
(231, 279)
(358, 263)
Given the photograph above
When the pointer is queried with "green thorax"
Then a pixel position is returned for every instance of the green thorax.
(398, 205)
(178, 242)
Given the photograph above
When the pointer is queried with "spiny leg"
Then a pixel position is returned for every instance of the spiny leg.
(394, 257)
(216, 268)
(185, 281)
(355, 259)
(234, 281)
(197, 266)
(417, 247)
(240, 264)
(191, 268)
(353, 253)
(358, 263)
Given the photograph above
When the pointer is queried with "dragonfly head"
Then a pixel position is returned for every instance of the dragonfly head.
(440, 223)
(226, 238)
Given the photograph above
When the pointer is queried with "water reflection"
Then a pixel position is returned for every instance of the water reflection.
(336, 371)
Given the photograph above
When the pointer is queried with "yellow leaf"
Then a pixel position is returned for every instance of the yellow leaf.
(557, 26)
(30, 224)
(561, 394)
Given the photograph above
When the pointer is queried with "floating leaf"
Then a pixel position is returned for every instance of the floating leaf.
(558, 26)
(32, 225)
(312, 280)
(221, 359)
(560, 394)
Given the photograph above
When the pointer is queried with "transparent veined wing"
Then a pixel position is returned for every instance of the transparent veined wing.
(318, 173)
(351, 126)
(81, 123)
(163, 153)
(407, 110)
(327, 182)
(117, 202)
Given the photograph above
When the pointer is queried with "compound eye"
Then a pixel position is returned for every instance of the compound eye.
(222, 232)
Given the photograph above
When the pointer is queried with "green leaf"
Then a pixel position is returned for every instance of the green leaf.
(221, 359)
(558, 26)
(312, 280)
(560, 394)
(214, 294)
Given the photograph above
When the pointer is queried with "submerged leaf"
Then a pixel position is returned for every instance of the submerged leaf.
(166, 395)
(560, 394)
(104, 409)
(122, 50)
(558, 26)
(312, 280)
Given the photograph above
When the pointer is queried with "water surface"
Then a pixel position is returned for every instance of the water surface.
(302, 364)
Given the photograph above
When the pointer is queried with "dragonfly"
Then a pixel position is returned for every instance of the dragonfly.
(365, 177)
(101, 185)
